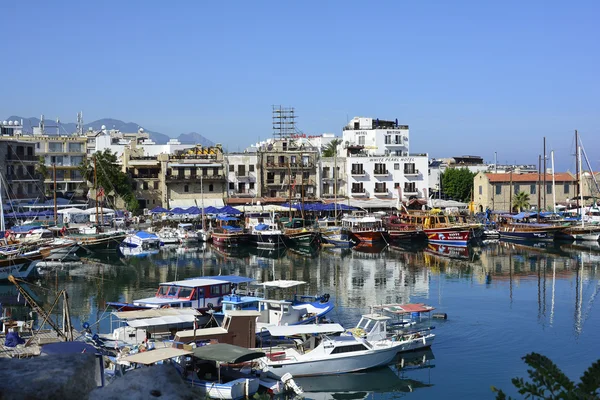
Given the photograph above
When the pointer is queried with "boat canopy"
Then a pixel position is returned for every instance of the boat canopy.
(210, 280)
(154, 356)
(158, 321)
(226, 218)
(226, 353)
(404, 308)
(159, 210)
(228, 278)
(162, 312)
(146, 235)
(283, 284)
(292, 330)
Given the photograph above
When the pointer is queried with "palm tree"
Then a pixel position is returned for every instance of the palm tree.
(521, 201)
(331, 149)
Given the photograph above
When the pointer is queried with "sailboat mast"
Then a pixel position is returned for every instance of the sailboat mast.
(55, 189)
(544, 171)
(553, 182)
(539, 189)
(2, 226)
(335, 184)
(202, 201)
(290, 193)
(95, 191)
(577, 188)
(579, 177)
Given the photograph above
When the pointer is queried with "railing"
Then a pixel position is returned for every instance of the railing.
(23, 177)
(21, 157)
(357, 172)
(381, 190)
(194, 177)
(358, 190)
(380, 172)
(407, 190)
(411, 172)
(146, 176)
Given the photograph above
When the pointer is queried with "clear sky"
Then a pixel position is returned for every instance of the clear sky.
(468, 77)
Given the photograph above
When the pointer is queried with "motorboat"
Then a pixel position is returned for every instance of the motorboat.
(264, 232)
(299, 310)
(202, 293)
(366, 229)
(228, 233)
(140, 244)
(168, 236)
(186, 232)
(317, 352)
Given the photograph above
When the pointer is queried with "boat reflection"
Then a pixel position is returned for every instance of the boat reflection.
(359, 385)
(447, 251)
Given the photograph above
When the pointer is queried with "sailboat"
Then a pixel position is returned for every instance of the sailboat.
(204, 235)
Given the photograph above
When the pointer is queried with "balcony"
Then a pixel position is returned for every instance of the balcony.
(358, 172)
(382, 192)
(22, 177)
(411, 172)
(195, 177)
(146, 176)
(410, 191)
(21, 157)
(244, 193)
(379, 172)
(395, 143)
(358, 191)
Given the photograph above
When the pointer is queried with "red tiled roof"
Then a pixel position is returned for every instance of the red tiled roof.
(531, 177)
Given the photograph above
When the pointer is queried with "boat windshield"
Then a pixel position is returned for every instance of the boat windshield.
(162, 291)
(185, 292)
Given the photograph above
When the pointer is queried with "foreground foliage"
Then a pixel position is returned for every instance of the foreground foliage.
(549, 382)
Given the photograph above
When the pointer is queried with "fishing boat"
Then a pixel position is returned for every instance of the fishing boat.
(528, 231)
(448, 251)
(140, 244)
(228, 233)
(398, 227)
(339, 239)
(366, 229)
(168, 236)
(264, 232)
(202, 293)
(316, 352)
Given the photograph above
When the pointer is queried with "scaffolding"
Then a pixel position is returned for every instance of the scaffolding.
(284, 122)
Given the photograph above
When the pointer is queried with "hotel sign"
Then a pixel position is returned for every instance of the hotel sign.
(392, 159)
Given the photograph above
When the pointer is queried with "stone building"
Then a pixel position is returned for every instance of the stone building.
(20, 180)
(241, 177)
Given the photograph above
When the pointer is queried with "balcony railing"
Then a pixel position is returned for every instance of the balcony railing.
(411, 172)
(381, 190)
(195, 177)
(23, 177)
(21, 157)
(358, 190)
(410, 190)
(358, 172)
(146, 176)
(381, 172)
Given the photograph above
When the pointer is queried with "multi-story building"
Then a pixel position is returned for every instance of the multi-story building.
(148, 179)
(20, 180)
(497, 190)
(287, 167)
(333, 177)
(194, 177)
(242, 176)
(378, 162)
(117, 141)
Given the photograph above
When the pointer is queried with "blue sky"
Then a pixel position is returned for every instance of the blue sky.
(469, 77)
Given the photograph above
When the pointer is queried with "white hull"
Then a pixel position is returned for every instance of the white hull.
(232, 390)
(587, 236)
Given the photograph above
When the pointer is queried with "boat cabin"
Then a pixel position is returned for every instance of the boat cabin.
(372, 327)
(364, 224)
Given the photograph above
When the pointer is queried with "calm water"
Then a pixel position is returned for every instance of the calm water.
(503, 300)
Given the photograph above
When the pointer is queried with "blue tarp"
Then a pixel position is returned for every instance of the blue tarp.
(211, 210)
(69, 348)
(178, 210)
(231, 228)
(24, 228)
(159, 210)
(193, 210)
(226, 218)
(261, 227)
(229, 210)
(13, 339)
(145, 235)
(320, 207)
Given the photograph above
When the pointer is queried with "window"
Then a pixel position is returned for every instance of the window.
(398, 139)
(204, 171)
(409, 168)
(349, 349)
(185, 292)
(397, 166)
(361, 140)
(357, 169)
(548, 189)
(54, 147)
(215, 171)
(75, 148)
(231, 186)
(396, 185)
(293, 160)
(410, 187)
(155, 185)
(251, 168)
(498, 189)
(380, 169)
(241, 170)
(215, 290)
(186, 188)
(162, 290)
(211, 188)
(134, 185)
(305, 161)
(270, 178)
(76, 160)
(532, 188)
(282, 177)
(566, 188)
(305, 175)
(517, 188)
(480, 189)
(380, 187)
(251, 185)
(325, 174)
(357, 187)
(145, 185)
(388, 139)
(270, 160)
(231, 168)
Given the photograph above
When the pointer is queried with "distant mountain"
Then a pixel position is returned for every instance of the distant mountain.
(195, 138)
(67, 128)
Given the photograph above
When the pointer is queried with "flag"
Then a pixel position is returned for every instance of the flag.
(294, 185)
(100, 192)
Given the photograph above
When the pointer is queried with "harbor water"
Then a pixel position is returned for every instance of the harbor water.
(503, 300)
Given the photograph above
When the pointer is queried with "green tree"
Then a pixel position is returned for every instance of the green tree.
(330, 149)
(42, 169)
(520, 201)
(458, 183)
(109, 176)
(549, 382)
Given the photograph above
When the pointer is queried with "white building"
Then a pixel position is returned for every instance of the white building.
(378, 162)
(241, 175)
(117, 141)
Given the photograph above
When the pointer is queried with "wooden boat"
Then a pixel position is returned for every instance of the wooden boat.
(366, 229)
(398, 227)
(528, 231)
(228, 233)
(585, 232)
(264, 232)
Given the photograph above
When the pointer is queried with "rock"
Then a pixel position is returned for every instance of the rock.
(159, 382)
(64, 376)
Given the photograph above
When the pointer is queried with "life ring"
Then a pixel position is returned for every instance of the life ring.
(166, 306)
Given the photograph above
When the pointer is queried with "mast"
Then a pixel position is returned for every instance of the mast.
(55, 188)
(577, 188)
(510, 190)
(95, 191)
(302, 185)
(579, 178)
(335, 185)
(553, 182)
(545, 190)
(539, 191)
(202, 202)
(2, 226)
(290, 193)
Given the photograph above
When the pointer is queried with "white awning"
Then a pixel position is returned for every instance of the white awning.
(168, 320)
(151, 357)
(153, 313)
(261, 208)
(72, 210)
(283, 284)
(291, 330)
(187, 203)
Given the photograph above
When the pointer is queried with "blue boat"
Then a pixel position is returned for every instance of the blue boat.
(140, 244)
(529, 231)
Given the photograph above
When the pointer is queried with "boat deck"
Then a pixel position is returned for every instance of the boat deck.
(34, 349)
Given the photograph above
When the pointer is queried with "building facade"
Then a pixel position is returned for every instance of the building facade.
(379, 164)
(287, 168)
(333, 178)
(496, 191)
(242, 177)
(21, 181)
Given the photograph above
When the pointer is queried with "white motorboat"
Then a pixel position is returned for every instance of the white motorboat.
(140, 244)
(264, 232)
(364, 347)
(168, 236)
(187, 233)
